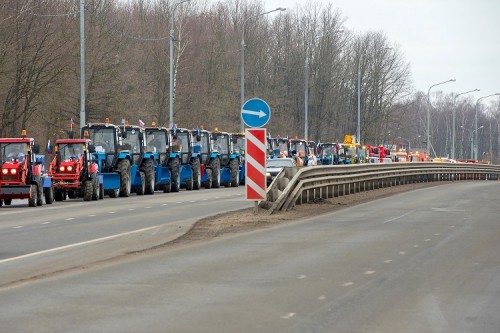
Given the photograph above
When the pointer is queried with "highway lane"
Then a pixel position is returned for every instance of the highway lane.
(421, 261)
(24, 230)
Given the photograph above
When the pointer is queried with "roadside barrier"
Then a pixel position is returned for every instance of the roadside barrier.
(298, 185)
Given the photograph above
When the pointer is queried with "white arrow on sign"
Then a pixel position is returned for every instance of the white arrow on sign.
(259, 113)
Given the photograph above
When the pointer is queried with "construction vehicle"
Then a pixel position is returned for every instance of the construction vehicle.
(238, 146)
(114, 157)
(328, 153)
(73, 171)
(166, 162)
(20, 174)
(230, 160)
(349, 151)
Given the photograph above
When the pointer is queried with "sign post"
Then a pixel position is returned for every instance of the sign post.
(255, 113)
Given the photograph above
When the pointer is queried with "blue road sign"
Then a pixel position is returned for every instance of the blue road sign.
(255, 112)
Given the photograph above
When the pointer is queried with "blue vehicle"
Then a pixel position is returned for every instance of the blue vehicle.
(328, 154)
(142, 162)
(210, 158)
(238, 147)
(190, 164)
(166, 162)
(114, 154)
(230, 160)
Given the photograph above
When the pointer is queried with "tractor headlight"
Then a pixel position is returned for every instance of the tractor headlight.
(13, 171)
(61, 168)
(5, 171)
(70, 168)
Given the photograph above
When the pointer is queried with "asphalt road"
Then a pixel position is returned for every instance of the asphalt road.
(420, 261)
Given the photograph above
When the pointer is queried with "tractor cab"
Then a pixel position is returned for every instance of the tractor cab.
(221, 144)
(328, 153)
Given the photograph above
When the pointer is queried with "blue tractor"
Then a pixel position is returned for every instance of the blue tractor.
(166, 162)
(142, 162)
(210, 158)
(238, 147)
(230, 160)
(190, 174)
(328, 153)
(115, 158)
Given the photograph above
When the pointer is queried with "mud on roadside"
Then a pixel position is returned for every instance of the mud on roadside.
(246, 220)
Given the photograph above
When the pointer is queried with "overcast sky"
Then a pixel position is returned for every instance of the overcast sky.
(441, 39)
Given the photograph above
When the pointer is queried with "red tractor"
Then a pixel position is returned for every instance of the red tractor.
(73, 172)
(20, 173)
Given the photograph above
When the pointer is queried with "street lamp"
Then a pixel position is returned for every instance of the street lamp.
(453, 126)
(429, 114)
(473, 143)
(171, 93)
(475, 122)
(242, 82)
(306, 89)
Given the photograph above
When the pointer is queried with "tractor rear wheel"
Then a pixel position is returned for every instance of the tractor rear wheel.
(175, 175)
(125, 182)
(235, 172)
(87, 190)
(141, 188)
(95, 188)
(208, 182)
(149, 170)
(101, 191)
(39, 197)
(195, 166)
(34, 196)
(215, 165)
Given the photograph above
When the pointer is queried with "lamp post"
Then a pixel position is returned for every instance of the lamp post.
(475, 122)
(82, 63)
(306, 89)
(242, 51)
(429, 114)
(453, 122)
(171, 92)
(473, 143)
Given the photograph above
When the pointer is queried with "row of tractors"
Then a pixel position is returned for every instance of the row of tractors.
(324, 153)
(117, 160)
(332, 153)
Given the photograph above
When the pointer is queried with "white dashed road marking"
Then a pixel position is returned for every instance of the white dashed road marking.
(288, 316)
(347, 284)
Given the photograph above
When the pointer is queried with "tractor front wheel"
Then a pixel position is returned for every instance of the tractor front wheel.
(125, 182)
(87, 190)
(34, 196)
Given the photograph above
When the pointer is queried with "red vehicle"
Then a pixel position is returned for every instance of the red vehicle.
(20, 173)
(73, 172)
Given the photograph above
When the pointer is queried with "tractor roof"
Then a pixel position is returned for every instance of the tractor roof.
(16, 140)
(83, 141)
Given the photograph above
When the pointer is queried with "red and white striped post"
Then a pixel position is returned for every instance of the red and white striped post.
(255, 164)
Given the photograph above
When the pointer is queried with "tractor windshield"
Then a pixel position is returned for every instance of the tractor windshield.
(131, 142)
(70, 151)
(156, 141)
(239, 145)
(327, 150)
(181, 142)
(298, 147)
(103, 139)
(221, 143)
(13, 151)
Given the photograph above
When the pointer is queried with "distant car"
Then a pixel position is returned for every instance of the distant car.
(275, 165)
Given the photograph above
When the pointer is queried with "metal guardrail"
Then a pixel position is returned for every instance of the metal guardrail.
(298, 185)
